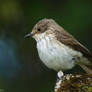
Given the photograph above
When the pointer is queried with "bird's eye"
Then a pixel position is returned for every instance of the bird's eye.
(39, 29)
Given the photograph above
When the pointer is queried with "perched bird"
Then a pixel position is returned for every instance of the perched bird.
(58, 49)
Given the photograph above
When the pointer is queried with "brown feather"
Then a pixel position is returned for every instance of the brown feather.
(67, 39)
(88, 69)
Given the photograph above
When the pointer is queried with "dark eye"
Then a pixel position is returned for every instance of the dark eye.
(39, 29)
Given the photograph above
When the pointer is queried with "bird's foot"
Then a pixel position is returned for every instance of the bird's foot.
(60, 76)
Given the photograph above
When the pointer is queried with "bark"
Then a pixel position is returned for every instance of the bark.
(74, 83)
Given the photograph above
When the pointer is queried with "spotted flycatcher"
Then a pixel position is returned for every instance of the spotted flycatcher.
(58, 49)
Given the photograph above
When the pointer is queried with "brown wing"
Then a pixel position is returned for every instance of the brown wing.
(70, 41)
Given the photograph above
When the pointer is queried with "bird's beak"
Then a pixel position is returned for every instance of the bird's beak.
(29, 35)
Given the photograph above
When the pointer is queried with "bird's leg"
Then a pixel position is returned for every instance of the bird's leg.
(60, 76)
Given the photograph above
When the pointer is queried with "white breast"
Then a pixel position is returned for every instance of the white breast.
(56, 55)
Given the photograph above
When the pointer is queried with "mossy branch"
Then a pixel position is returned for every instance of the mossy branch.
(74, 83)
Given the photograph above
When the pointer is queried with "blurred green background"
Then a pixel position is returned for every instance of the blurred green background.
(20, 67)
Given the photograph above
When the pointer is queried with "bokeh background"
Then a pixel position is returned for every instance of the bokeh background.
(20, 67)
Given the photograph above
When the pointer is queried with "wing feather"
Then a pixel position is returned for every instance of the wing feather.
(67, 39)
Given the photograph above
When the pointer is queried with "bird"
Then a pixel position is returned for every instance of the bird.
(58, 49)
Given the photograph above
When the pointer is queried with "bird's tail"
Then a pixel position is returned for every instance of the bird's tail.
(87, 68)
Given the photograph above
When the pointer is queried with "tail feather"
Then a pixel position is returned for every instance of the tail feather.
(87, 69)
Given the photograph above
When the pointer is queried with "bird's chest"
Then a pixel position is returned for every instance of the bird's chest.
(55, 55)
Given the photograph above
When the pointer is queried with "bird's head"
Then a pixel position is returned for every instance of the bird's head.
(43, 26)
